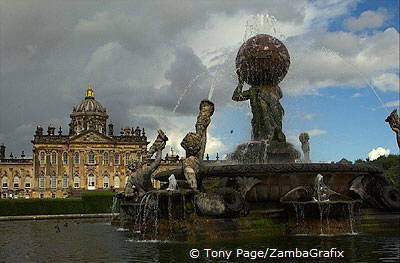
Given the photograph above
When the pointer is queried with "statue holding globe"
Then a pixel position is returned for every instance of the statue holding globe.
(262, 62)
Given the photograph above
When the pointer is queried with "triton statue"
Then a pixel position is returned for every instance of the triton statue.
(305, 146)
(394, 121)
(195, 144)
(139, 181)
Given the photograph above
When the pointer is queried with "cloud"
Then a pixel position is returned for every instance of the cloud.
(395, 103)
(309, 116)
(142, 59)
(367, 19)
(316, 132)
(356, 95)
(377, 152)
(387, 82)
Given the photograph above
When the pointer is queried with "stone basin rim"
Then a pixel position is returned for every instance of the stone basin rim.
(234, 170)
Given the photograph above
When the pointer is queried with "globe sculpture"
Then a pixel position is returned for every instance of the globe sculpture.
(262, 60)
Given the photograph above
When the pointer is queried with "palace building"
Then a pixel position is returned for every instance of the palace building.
(89, 157)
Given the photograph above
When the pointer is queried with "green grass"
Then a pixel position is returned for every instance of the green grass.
(90, 203)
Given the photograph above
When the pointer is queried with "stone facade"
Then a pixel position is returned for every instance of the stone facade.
(88, 158)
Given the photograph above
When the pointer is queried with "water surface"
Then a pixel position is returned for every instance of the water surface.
(99, 241)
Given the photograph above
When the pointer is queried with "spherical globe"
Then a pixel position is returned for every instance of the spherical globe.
(262, 60)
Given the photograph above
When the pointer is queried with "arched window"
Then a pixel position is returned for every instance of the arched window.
(116, 161)
(106, 159)
(53, 158)
(65, 181)
(42, 157)
(4, 182)
(65, 158)
(41, 181)
(91, 157)
(53, 181)
(76, 157)
(117, 182)
(106, 181)
(91, 182)
(27, 182)
(16, 181)
(76, 181)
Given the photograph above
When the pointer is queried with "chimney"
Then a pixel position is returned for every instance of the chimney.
(39, 130)
(2, 152)
(51, 130)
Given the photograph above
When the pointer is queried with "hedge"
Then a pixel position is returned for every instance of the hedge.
(88, 204)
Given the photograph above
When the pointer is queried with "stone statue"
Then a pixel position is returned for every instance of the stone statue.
(195, 144)
(305, 146)
(394, 121)
(139, 181)
(262, 62)
(266, 108)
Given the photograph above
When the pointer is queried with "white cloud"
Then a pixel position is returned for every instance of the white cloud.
(367, 19)
(356, 95)
(309, 116)
(316, 132)
(377, 152)
(395, 103)
(387, 82)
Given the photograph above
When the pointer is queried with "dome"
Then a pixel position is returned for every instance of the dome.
(89, 104)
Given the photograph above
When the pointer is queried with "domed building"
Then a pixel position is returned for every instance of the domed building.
(89, 114)
(89, 158)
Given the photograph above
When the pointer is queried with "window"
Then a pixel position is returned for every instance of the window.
(76, 157)
(41, 196)
(27, 182)
(127, 157)
(42, 157)
(53, 195)
(106, 158)
(106, 182)
(91, 182)
(91, 157)
(117, 182)
(16, 182)
(65, 158)
(4, 182)
(76, 181)
(65, 181)
(53, 182)
(116, 161)
(41, 181)
(126, 180)
(53, 158)
(4, 195)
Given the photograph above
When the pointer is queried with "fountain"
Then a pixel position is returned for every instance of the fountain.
(260, 179)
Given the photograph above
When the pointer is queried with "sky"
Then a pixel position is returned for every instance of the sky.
(152, 62)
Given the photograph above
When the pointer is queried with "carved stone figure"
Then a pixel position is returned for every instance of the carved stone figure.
(305, 146)
(394, 121)
(262, 62)
(195, 144)
(139, 181)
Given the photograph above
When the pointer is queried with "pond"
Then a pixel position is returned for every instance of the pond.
(99, 241)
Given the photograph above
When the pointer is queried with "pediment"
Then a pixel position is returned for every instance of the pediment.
(91, 137)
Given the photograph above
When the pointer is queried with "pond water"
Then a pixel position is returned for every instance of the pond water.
(99, 241)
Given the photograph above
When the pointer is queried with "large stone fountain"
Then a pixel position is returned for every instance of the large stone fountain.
(260, 175)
